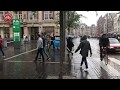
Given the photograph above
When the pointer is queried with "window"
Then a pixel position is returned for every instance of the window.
(32, 15)
(48, 15)
(1, 16)
(18, 12)
(18, 15)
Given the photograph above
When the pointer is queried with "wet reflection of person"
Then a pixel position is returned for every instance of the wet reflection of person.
(40, 47)
(40, 68)
(83, 74)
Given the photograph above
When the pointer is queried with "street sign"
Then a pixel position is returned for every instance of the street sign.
(17, 36)
(16, 30)
(16, 25)
(7, 17)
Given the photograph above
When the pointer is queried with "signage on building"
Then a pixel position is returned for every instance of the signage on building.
(16, 25)
(17, 36)
(7, 17)
(16, 30)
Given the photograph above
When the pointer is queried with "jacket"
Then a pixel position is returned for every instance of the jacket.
(40, 43)
(85, 47)
(1, 42)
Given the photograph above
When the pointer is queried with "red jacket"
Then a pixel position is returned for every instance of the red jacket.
(1, 42)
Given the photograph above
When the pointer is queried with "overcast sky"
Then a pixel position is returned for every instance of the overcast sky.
(91, 16)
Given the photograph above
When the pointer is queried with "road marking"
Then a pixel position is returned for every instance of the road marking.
(108, 68)
(20, 54)
(39, 61)
(114, 60)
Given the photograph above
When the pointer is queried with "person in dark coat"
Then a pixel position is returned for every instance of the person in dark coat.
(70, 45)
(85, 47)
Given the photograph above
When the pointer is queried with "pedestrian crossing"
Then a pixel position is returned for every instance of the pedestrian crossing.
(110, 70)
(94, 62)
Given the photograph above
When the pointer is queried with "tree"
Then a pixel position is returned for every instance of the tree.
(72, 20)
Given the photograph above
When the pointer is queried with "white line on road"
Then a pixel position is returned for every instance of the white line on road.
(20, 54)
(39, 61)
(115, 60)
(108, 68)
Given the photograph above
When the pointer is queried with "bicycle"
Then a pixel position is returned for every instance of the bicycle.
(105, 55)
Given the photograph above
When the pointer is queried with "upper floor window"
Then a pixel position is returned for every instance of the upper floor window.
(48, 15)
(18, 12)
(32, 15)
(1, 16)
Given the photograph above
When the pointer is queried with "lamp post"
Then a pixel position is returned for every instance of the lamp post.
(62, 42)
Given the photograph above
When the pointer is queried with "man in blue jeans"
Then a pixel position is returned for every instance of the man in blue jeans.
(40, 48)
(44, 44)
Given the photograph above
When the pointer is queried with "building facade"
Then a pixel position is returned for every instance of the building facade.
(100, 26)
(117, 23)
(32, 23)
(83, 28)
(109, 22)
(92, 30)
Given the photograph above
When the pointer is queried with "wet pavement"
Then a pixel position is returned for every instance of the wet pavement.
(19, 64)
(97, 69)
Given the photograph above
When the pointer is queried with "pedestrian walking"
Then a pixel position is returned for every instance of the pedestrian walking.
(1, 46)
(84, 48)
(48, 41)
(52, 39)
(70, 45)
(44, 44)
(39, 47)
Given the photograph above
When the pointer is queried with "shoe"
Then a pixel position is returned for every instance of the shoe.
(72, 53)
(86, 69)
(39, 58)
(48, 58)
(101, 59)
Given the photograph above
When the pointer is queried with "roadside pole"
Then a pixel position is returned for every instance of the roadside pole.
(62, 42)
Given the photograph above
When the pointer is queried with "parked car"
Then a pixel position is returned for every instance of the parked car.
(114, 45)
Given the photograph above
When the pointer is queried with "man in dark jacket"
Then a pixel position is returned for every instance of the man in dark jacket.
(85, 47)
(103, 42)
(69, 45)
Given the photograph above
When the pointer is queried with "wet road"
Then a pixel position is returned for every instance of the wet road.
(19, 64)
(97, 69)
